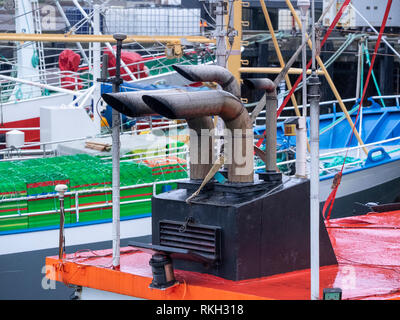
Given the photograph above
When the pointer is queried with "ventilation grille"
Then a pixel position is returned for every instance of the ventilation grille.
(200, 239)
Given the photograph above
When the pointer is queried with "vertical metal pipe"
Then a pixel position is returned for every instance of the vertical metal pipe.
(314, 174)
(301, 136)
(304, 64)
(61, 239)
(116, 130)
(270, 130)
(96, 67)
(220, 35)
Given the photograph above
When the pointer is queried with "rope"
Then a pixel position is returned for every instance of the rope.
(373, 74)
(330, 29)
(330, 126)
(337, 179)
(349, 40)
(35, 59)
(214, 169)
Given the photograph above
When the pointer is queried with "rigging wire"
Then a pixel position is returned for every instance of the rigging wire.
(336, 183)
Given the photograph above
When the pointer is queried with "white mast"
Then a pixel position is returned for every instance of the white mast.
(27, 69)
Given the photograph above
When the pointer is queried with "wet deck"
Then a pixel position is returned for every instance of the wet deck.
(367, 248)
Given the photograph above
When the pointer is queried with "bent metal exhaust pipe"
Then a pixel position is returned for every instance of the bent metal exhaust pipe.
(271, 105)
(131, 104)
(211, 73)
(192, 105)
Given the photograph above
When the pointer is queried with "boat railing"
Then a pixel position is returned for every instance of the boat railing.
(8, 152)
(340, 151)
(331, 103)
(81, 80)
(75, 195)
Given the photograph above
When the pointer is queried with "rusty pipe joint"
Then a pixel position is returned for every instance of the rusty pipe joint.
(131, 104)
(238, 135)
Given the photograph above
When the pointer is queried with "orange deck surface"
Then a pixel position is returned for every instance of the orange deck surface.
(367, 248)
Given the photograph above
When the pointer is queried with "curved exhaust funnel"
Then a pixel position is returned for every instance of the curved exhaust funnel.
(260, 84)
(132, 104)
(210, 73)
(192, 105)
(189, 105)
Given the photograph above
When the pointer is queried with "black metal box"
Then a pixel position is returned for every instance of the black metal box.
(252, 234)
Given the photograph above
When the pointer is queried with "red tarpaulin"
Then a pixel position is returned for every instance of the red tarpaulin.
(69, 61)
(139, 70)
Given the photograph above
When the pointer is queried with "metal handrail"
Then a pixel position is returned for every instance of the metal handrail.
(76, 195)
(337, 152)
(39, 144)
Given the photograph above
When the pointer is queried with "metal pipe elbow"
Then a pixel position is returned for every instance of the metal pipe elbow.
(190, 105)
(193, 105)
(210, 73)
(131, 103)
(260, 84)
(128, 103)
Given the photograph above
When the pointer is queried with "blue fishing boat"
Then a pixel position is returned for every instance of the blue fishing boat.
(372, 177)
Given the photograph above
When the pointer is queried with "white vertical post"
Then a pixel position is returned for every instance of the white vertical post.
(77, 206)
(314, 174)
(301, 148)
(26, 51)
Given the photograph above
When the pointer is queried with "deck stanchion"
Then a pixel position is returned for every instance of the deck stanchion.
(61, 189)
(116, 130)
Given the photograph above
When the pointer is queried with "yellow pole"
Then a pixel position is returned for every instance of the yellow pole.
(329, 79)
(47, 37)
(234, 52)
(275, 70)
